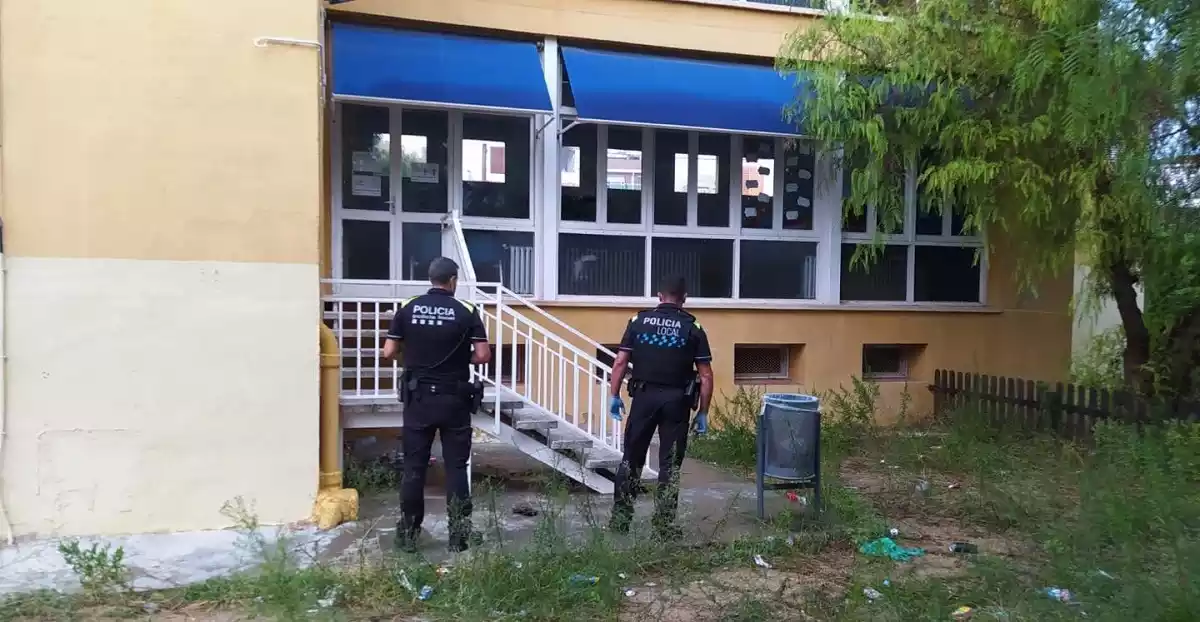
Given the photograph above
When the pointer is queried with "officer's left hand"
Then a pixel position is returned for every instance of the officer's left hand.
(616, 408)
(701, 424)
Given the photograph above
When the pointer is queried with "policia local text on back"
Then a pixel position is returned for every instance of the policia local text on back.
(663, 344)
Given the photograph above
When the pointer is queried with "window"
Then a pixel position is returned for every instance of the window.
(425, 161)
(712, 180)
(778, 270)
(690, 177)
(706, 265)
(882, 276)
(578, 181)
(504, 257)
(366, 158)
(495, 166)
(601, 265)
(946, 274)
(421, 243)
(887, 362)
(366, 249)
(671, 178)
(928, 256)
(624, 176)
(758, 183)
(760, 362)
(799, 166)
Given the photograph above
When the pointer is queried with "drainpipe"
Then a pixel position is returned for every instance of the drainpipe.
(5, 525)
(334, 505)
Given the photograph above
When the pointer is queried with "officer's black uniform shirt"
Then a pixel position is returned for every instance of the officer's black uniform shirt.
(666, 363)
(433, 325)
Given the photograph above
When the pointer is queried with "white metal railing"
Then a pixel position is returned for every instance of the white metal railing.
(532, 363)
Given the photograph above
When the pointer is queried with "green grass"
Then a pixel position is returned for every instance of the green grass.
(1117, 522)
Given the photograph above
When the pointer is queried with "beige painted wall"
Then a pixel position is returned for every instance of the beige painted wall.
(145, 394)
(161, 181)
(657, 23)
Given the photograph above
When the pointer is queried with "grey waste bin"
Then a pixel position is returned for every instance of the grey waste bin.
(789, 445)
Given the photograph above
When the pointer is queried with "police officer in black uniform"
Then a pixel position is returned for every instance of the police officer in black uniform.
(663, 344)
(442, 337)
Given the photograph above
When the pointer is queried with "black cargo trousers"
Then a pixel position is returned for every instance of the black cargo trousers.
(667, 410)
(430, 410)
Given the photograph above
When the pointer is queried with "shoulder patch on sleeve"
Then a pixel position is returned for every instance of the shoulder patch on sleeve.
(633, 318)
(408, 300)
(470, 307)
(697, 325)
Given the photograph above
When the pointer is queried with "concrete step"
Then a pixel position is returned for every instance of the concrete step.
(529, 419)
(602, 458)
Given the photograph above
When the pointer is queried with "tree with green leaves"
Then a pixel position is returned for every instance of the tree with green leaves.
(1069, 128)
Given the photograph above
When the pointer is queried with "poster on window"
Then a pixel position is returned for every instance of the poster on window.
(366, 186)
(423, 172)
(365, 162)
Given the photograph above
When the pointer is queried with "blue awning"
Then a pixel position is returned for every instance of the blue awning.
(615, 87)
(420, 67)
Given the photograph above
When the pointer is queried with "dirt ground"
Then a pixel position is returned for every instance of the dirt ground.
(924, 517)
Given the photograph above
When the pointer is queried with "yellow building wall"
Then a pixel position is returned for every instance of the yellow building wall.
(161, 186)
(657, 23)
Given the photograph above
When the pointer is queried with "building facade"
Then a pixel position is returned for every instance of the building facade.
(178, 178)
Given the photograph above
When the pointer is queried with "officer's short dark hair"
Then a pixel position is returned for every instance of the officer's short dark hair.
(673, 286)
(441, 270)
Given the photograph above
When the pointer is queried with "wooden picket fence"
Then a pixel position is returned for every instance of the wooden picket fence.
(1066, 409)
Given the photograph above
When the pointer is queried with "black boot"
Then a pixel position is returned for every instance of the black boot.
(407, 537)
(463, 539)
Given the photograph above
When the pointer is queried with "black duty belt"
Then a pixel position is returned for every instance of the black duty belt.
(442, 386)
(646, 384)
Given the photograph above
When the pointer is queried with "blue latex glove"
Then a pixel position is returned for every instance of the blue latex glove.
(616, 408)
(701, 423)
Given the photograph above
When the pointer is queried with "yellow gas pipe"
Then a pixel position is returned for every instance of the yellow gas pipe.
(334, 505)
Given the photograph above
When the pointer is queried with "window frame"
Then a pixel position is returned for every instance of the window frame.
(785, 355)
(909, 239)
(902, 375)
(396, 215)
(734, 231)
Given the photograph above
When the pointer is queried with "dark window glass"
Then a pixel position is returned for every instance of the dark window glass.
(366, 249)
(578, 179)
(929, 206)
(425, 160)
(799, 165)
(601, 265)
(420, 244)
(778, 270)
(758, 183)
(366, 158)
(929, 223)
(670, 178)
(504, 257)
(885, 361)
(495, 154)
(624, 181)
(945, 274)
(712, 180)
(706, 265)
(851, 222)
(884, 277)
(958, 224)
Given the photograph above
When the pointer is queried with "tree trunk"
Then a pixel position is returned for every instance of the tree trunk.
(1137, 337)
